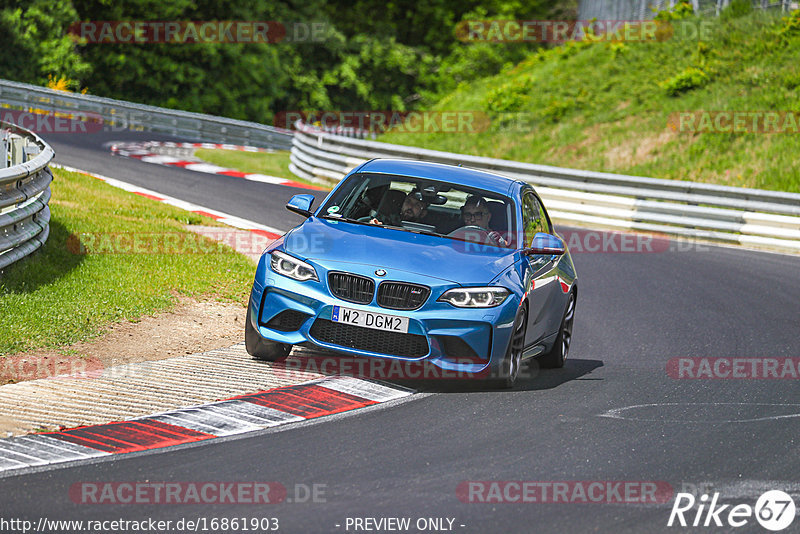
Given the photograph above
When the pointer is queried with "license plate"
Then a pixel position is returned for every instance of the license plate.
(377, 321)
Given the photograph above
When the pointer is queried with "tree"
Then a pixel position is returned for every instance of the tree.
(37, 45)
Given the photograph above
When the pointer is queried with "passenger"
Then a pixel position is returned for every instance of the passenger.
(475, 212)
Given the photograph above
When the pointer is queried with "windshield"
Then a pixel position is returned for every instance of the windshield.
(425, 206)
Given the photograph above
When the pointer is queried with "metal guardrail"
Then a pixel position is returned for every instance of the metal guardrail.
(752, 217)
(24, 193)
(646, 9)
(127, 115)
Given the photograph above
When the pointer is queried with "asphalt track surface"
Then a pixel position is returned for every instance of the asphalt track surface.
(635, 312)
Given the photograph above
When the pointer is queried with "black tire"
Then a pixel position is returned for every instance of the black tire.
(558, 354)
(510, 366)
(260, 348)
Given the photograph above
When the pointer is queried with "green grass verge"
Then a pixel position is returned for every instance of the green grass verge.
(269, 163)
(57, 297)
(606, 106)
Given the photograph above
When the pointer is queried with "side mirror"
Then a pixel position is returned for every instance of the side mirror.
(543, 243)
(301, 204)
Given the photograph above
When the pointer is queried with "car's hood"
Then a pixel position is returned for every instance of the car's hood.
(324, 240)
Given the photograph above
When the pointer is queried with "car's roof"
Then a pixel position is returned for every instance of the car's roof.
(439, 171)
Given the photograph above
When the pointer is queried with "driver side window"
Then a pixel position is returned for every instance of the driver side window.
(533, 217)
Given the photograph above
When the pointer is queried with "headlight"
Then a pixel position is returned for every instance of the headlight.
(290, 266)
(475, 297)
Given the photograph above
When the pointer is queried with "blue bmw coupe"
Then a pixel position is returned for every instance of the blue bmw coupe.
(420, 262)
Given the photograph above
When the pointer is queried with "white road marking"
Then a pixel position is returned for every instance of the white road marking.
(620, 413)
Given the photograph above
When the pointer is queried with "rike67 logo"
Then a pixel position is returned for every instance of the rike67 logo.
(774, 510)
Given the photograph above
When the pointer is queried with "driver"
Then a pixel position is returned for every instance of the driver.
(475, 212)
(413, 210)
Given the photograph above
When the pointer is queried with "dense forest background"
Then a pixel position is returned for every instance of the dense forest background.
(375, 55)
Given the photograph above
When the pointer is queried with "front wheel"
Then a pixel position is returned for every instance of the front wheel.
(509, 369)
(558, 354)
(260, 348)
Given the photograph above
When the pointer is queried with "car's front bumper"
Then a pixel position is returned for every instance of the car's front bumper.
(463, 341)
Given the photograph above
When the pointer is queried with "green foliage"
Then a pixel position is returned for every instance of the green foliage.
(36, 44)
(736, 9)
(472, 62)
(557, 109)
(681, 10)
(617, 48)
(240, 80)
(791, 26)
(378, 72)
(510, 97)
(791, 80)
(689, 78)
